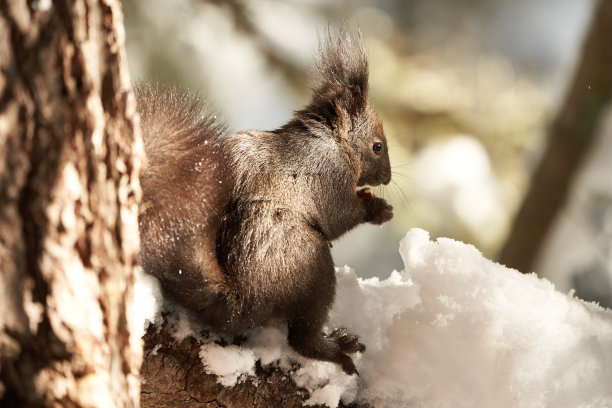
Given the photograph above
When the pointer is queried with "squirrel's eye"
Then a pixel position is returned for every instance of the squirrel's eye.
(377, 148)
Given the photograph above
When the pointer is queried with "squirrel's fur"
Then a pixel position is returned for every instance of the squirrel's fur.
(237, 227)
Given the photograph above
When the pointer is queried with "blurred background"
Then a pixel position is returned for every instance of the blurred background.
(495, 111)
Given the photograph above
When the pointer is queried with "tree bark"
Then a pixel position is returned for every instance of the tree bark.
(570, 136)
(70, 152)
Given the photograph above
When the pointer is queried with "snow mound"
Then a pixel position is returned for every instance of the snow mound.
(452, 330)
(483, 335)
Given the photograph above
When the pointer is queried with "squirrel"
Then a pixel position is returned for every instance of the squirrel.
(237, 227)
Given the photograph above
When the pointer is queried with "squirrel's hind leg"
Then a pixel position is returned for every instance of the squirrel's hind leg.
(309, 340)
(309, 312)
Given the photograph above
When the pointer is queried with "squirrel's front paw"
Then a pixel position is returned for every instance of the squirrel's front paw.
(378, 210)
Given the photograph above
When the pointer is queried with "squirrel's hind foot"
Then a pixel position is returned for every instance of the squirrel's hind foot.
(348, 343)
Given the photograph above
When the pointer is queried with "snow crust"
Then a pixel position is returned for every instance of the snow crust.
(452, 330)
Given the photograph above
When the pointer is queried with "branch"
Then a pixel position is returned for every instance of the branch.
(570, 137)
(173, 373)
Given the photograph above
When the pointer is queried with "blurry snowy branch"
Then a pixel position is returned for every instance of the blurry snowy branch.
(570, 137)
(295, 74)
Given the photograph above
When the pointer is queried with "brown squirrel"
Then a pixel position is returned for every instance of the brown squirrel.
(238, 227)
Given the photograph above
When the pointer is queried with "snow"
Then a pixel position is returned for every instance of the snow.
(229, 363)
(147, 300)
(452, 330)
(483, 335)
(42, 5)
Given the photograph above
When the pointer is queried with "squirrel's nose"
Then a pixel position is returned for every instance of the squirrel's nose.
(387, 180)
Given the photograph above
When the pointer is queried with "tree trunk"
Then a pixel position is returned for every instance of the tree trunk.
(70, 152)
(570, 136)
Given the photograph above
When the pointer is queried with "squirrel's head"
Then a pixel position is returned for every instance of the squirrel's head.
(340, 107)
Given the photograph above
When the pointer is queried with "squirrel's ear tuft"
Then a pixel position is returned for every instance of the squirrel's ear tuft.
(342, 71)
(341, 77)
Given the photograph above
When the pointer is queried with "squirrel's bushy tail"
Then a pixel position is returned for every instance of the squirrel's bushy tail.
(186, 186)
(177, 127)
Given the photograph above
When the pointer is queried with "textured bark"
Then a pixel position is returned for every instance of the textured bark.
(173, 375)
(70, 151)
(570, 136)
